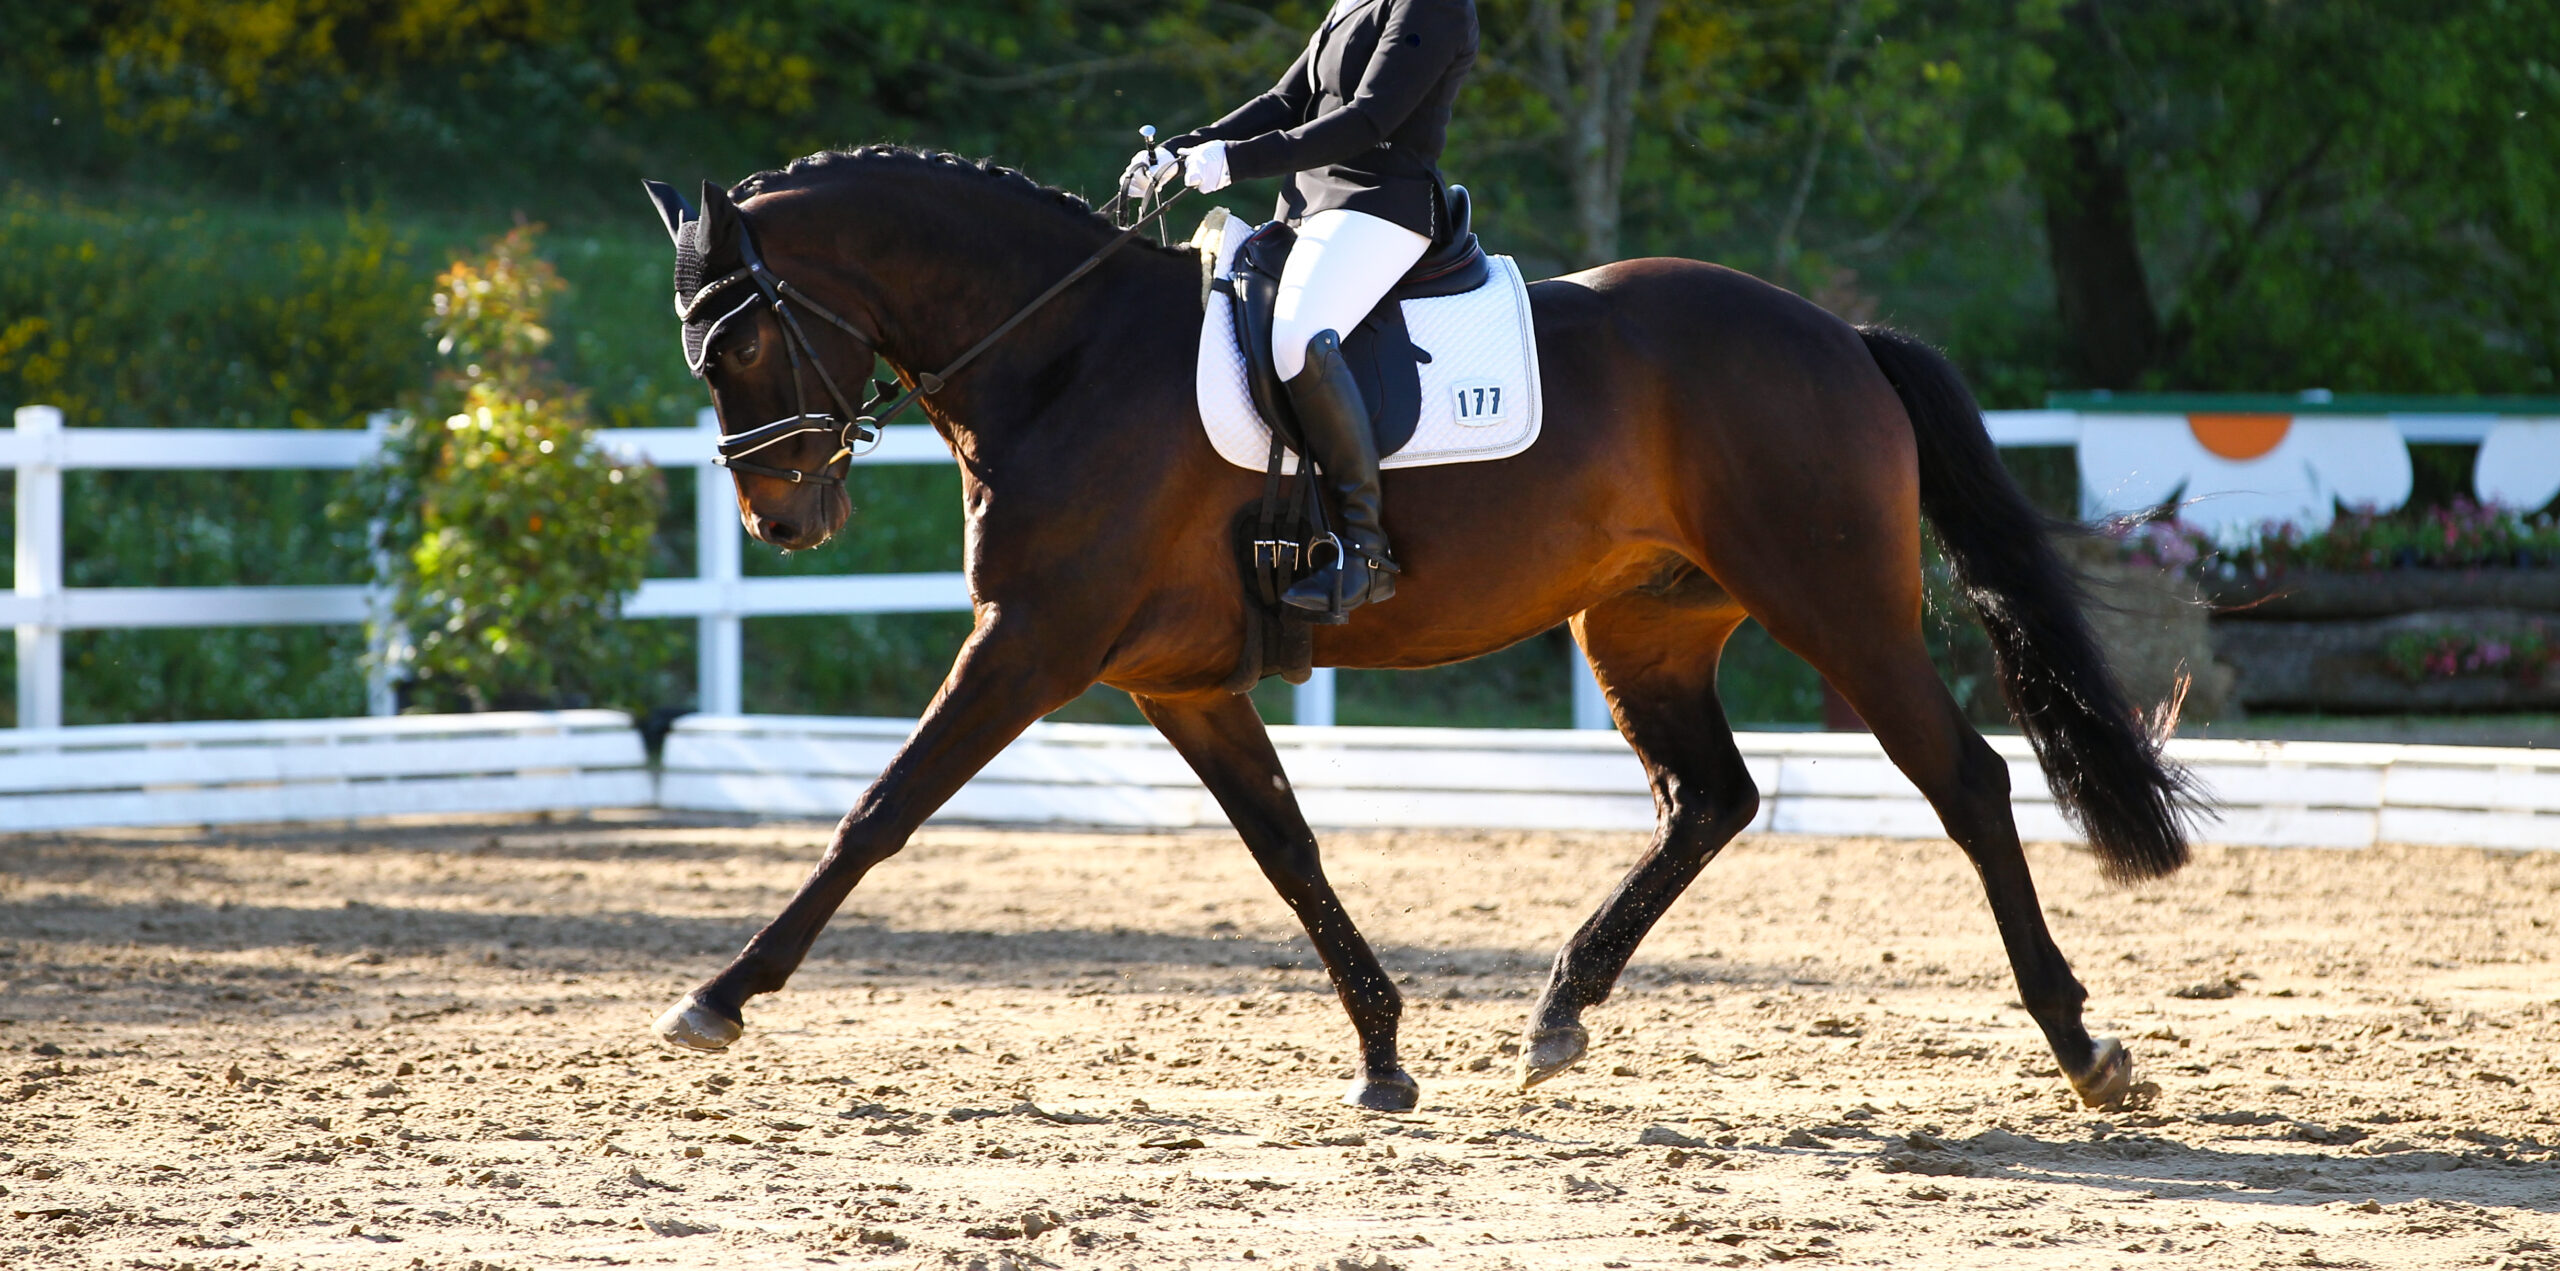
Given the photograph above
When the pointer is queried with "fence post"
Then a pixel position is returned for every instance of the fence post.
(1312, 702)
(39, 565)
(1590, 709)
(717, 538)
(386, 644)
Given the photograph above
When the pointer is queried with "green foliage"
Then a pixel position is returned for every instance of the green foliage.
(155, 319)
(1760, 682)
(2525, 654)
(509, 537)
(122, 677)
(2464, 535)
(1524, 686)
(850, 664)
(2356, 193)
(139, 316)
(565, 101)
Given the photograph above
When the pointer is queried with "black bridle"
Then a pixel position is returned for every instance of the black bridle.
(857, 433)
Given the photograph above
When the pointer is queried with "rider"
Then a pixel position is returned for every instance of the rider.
(1357, 124)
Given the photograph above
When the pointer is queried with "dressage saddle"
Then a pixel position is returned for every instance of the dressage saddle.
(1382, 354)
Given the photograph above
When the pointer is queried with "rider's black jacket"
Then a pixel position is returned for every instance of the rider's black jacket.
(1361, 116)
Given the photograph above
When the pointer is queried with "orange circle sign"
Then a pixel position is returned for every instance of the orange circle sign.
(2239, 437)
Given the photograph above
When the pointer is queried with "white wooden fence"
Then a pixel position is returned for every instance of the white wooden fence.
(719, 597)
(41, 608)
(319, 769)
(2291, 794)
(2274, 793)
(2271, 792)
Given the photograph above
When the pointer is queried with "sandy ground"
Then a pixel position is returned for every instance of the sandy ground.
(427, 1047)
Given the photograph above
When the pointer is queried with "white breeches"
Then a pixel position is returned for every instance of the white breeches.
(1344, 263)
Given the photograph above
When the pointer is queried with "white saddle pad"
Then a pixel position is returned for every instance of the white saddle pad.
(1480, 397)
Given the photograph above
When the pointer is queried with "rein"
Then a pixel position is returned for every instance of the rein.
(857, 432)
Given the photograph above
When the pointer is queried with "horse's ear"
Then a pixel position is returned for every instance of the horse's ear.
(671, 206)
(719, 219)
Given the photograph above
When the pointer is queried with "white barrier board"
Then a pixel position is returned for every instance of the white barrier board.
(319, 769)
(2293, 794)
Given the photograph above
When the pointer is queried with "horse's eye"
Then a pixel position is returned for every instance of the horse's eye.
(745, 351)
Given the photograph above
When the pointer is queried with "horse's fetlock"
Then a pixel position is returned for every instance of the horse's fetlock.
(2063, 1002)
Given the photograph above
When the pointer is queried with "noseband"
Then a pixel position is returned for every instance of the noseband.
(857, 433)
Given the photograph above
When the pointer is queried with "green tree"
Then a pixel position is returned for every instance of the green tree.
(509, 538)
(2358, 194)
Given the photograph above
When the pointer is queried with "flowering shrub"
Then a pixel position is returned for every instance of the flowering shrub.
(508, 537)
(2523, 656)
(2465, 535)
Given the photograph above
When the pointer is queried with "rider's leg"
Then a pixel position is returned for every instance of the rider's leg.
(1344, 263)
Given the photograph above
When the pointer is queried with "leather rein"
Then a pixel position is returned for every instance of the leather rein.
(857, 432)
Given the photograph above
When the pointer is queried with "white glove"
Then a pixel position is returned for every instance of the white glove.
(1205, 166)
(1146, 171)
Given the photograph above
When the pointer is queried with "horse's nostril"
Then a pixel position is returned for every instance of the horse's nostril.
(781, 532)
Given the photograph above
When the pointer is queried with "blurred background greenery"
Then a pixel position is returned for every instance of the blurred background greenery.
(231, 213)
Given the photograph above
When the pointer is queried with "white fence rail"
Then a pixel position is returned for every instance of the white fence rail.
(319, 769)
(719, 597)
(2285, 794)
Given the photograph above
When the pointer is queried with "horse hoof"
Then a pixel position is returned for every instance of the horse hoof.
(2109, 1078)
(1394, 1092)
(1551, 1051)
(695, 1026)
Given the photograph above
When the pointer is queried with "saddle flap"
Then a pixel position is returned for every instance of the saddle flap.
(1255, 287)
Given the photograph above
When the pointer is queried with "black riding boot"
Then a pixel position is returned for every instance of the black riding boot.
(1336, 426)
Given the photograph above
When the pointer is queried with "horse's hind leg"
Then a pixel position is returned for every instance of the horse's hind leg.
(1222, 737)
(1896, 690)
(1656, 660)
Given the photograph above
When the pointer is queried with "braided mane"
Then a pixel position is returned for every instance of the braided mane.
(831, 166)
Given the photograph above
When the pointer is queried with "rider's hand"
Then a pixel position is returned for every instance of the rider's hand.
(1204, 166)
(1146, 171)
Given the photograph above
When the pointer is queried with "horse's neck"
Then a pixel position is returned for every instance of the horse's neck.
(955, 281)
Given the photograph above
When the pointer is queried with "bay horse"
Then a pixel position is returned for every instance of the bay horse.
(1715, 448)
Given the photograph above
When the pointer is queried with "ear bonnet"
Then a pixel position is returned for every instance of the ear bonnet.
(705, 311)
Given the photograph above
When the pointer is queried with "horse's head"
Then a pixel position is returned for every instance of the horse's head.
(776, 372)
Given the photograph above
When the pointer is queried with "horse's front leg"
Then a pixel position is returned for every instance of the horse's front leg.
(1006, 678)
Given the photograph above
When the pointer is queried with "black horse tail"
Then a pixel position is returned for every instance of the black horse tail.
(2099, 755)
